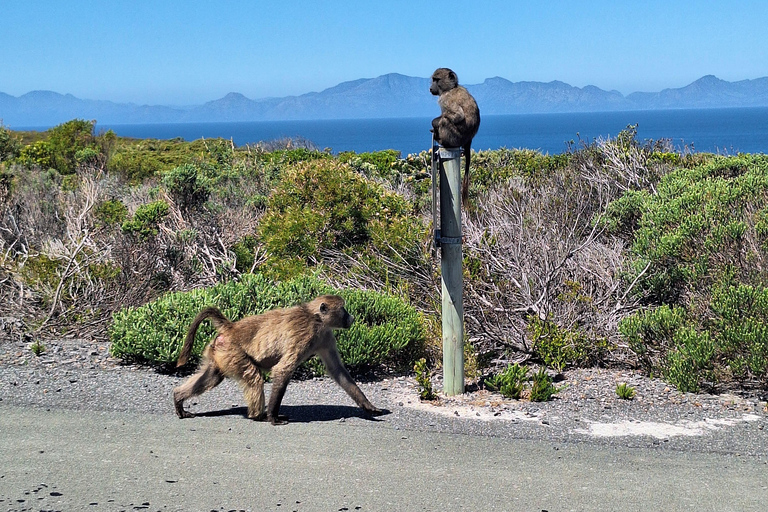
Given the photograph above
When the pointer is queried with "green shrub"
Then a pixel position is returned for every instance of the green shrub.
(324, 205)
(698, 245)
(423, 380)
(666, 342)
(111, 211)
(382, 164)
(67, 139)
(489, 168)
(9, 144)
(561, 348)
(511, 382)
(38, 153)
(740, 326)
(696, 225)
(649, 333)
(245, 253)
(134, 165)
(385, 328)
(187, 185)
(144, 223)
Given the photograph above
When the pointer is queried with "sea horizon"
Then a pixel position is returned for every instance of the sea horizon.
(722, 131)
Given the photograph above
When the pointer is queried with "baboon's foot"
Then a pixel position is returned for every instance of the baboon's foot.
(181, 412)
(257, 416)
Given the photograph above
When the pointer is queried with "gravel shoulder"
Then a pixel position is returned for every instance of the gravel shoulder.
(74, 374)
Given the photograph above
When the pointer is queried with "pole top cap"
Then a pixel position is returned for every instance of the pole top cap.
(450, 153)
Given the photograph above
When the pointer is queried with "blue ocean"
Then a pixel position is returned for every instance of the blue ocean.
(723, 131)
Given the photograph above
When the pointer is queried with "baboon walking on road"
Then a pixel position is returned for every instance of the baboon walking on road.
(459, 118)
(279, 340)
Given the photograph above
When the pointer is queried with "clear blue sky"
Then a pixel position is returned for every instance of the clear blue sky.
(189, 52)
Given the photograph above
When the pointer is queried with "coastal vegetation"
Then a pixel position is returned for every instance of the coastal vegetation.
(618, 252)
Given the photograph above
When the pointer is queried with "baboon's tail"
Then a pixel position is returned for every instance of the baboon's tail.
(218, 320)
(465, 184)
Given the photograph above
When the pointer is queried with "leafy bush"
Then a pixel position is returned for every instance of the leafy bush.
(542, 388)
(144, 223)
(514, 381)
(38, 153)
(511, 382)
(111, 211)
(67, 139)
(697, 225)
(187, 185)
(382, 164)
(385, 329)
(323, 206)
(423, 380)
(133, 165)
(9, 144)
(561, 348)
(491, 168)
(245, 253)
(699, 261)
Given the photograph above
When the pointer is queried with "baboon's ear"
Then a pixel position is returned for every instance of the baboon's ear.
(323, 307)
(453, 76)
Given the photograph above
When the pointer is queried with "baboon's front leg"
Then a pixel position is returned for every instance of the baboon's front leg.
(206, 378)
(332, 361)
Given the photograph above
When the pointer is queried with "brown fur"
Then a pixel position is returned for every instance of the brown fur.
(278, 340)
(459, 118)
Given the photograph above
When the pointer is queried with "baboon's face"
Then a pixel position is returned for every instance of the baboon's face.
(333, 313)
(443, 79)
(347, 318)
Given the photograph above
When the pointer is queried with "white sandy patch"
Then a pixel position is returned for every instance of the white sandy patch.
(489, 410)
(662, 430)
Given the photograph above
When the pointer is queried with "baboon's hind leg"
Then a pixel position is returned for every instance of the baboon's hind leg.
(253, 389)
(208, 377)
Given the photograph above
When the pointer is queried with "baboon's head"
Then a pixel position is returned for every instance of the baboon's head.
(443, 79)
(330, 309)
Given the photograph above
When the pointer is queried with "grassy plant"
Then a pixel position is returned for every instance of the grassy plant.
(37, 348)
(423, 380)
(625, 391)
(542, 388)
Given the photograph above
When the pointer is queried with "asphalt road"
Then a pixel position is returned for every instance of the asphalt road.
(59, 459)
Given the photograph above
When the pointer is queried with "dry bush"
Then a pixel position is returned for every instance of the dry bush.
(536, 250)
(66, 266)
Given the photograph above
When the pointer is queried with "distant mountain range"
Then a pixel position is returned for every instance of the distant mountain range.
(391, 95)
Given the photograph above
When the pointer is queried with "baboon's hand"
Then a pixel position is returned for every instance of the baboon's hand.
(375, 411)
(280, 420)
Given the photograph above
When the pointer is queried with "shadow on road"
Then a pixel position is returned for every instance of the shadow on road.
(302, 413)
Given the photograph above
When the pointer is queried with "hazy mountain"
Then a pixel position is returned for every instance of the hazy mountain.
(706, 92)
(500, 96)
(391, 95)
(42, 108)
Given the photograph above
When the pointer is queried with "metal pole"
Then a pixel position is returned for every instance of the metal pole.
(451, 271)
